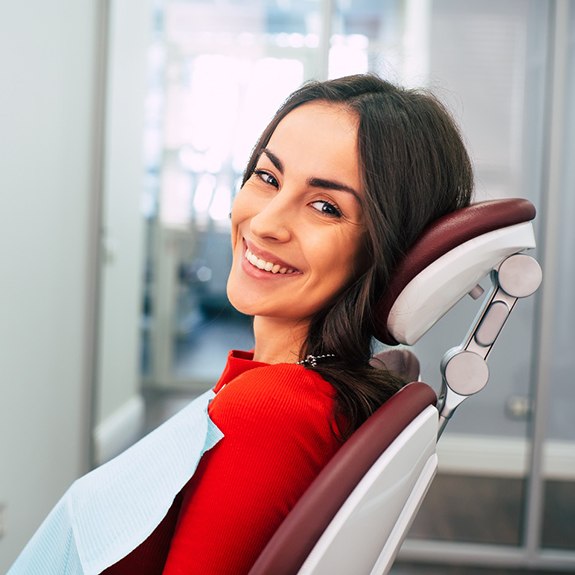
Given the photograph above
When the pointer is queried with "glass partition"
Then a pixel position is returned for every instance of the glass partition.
(557, 526)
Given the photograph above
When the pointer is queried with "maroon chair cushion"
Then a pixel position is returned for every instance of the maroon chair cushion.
(444, 235)
(299, 532)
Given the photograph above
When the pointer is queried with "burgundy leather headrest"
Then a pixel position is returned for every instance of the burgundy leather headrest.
(443, 235)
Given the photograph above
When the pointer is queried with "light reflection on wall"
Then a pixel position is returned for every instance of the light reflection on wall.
(212, 123)
(348, 55)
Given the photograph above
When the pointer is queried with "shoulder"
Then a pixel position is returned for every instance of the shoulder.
(279, 392)
(279, 380)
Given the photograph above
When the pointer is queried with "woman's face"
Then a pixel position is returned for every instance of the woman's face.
(297, 221)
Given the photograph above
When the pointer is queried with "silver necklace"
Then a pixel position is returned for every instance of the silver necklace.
(311, 360)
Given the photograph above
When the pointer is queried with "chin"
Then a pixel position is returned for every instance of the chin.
(238, 302)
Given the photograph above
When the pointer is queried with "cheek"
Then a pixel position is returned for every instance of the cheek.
(244, 202)
(353, 258)
(240, 211)
(341, 263)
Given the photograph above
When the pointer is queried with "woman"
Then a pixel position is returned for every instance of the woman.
(342, 181)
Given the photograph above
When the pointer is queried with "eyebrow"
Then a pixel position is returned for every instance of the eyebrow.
(314, 182)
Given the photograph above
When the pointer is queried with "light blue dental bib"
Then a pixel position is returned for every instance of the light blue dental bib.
(110, 511)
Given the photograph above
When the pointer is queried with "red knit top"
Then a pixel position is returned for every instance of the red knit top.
(278, 427)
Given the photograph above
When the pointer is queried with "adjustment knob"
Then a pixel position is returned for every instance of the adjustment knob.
(520, 275)
(466, 373)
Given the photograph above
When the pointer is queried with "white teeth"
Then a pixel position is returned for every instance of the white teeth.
(267, 266)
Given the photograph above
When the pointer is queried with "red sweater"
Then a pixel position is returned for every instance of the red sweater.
(278, 430)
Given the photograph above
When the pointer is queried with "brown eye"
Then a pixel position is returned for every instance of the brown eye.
(326, 208)
(266, 178)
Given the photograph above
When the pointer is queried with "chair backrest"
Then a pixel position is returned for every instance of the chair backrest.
(305, 525)
(354, 516)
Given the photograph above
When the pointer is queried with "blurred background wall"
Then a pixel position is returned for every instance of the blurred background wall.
(50, 115)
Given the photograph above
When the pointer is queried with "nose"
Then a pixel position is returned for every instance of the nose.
(274, 219)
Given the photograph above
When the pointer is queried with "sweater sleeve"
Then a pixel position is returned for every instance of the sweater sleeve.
(278, 434)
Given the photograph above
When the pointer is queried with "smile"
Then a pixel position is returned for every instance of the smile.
(267, 266)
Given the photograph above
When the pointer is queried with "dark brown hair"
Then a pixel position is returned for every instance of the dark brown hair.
(415, 168)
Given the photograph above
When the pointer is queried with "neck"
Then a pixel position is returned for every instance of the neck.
(278, 341)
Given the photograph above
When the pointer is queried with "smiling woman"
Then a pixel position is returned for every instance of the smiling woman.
(342, 181)
(383, 162)
(299, 213)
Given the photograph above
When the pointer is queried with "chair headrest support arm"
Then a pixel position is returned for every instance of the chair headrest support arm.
(442, 236)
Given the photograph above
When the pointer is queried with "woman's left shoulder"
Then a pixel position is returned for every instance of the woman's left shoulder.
(284, 377)
(275, 391)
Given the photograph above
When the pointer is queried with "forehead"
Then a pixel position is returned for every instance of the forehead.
(318, 117)
(319, 135)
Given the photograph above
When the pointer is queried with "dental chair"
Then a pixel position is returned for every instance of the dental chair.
(355, 515)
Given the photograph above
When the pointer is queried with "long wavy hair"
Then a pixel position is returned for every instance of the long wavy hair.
(414, 169)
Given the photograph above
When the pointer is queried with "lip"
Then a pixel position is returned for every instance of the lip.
(269, 257)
